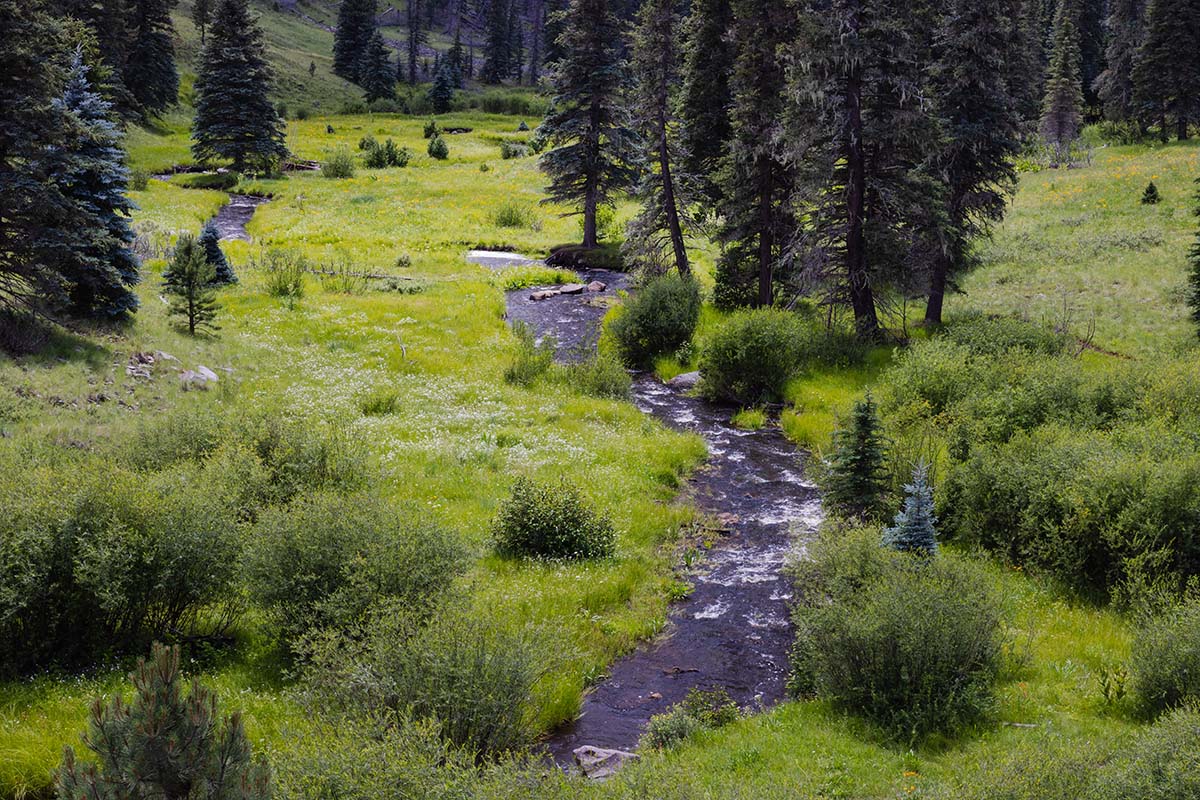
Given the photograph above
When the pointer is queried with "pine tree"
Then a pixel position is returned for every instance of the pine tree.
(1193, 289)
(110, 21)
(36, 219)
(704, 99)
(201, 15)
(1151, 197)
(756, 182)
(1166, 75)
(416, 39)
(150, 72)
(441, 93)
(189, 284)
(856, 481)
(656, 65)
(1024, 64)
(1092, 40)
(980, 134)
(913, 530)
(1062, 107)
(454, 62)
(516, 46)
(588, 126)
(99, 268)
(378, 76)
(535, 43)
(497, 54)
(1114, 86)
(163, 744)
(210, 242)
(234, 115)
(355, 24)
(555, 19)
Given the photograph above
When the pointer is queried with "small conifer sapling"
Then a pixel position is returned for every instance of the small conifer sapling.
(855, 484)
(913, 530)
(188, 284)
(1151, 196)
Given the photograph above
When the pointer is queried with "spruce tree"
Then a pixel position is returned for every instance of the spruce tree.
(454, 61)
(99, 268)
(1166, 76)
(188, 283)
(704, 100)
(516, 46)
(656, 67)
(1151, 197)
(1092, 40)
(378, 77)
(234, 115)
(416, 39)
(1193, 288)
(756, 182)
(497, 54)
(163, 744)
(150, 71)
(1114, 86)
(441, 93)
(1024, 64)
(210, 242)
(355, 24)
(856, 481)
(535, 43)
(980, 134)
(555, 19)
(201, 15)
(35, 224)
(913, 530)
(1062, 108)
(588, 127)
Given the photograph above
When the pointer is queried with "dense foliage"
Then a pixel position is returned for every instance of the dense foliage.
(552, 521)
(1166, 659)
(657, 319)
(750, 358)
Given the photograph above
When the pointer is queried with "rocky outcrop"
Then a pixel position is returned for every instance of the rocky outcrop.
(599, 764)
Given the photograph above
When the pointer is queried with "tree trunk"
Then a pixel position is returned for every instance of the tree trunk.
(591, 192)
(589, 218)
(1163, 134)
(866, 323)
(766, 238)
(937, 289)
(673, 226)
(1181, 128)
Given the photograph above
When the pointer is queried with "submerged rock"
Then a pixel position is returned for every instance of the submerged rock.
(597, 286)
(599, 764)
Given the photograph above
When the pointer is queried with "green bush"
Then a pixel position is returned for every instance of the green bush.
(1162, 764)
(330, 558)
(339, 164)
(533, 358)
(751, 356)
(139, 180)
(474, 678)
(217, 181)
(438, 148)
(996, 335)
(283, 273)
(1047, 768)
(911, 643)
(382, 156)
(668, 729)
(599, 376)
(510, 150)
(659, 318)
(702, 709)
(514, 214)
(552, 521)
(432, 129)
(1166, 659)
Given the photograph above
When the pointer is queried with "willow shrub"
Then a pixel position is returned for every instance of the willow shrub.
(657, 319)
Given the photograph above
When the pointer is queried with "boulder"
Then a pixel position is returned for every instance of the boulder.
(686, 380)
(597, 286)
(544, 294)
(572, 288)
(599, 764)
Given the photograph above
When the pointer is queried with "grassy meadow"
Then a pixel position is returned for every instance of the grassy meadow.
(416, 377)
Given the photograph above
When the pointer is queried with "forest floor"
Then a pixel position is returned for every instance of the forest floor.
(455, 434)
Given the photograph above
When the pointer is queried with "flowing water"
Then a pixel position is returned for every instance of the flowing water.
(733, 631)
(233, 217)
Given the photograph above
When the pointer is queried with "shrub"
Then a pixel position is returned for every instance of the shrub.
(599, 376)
(330, 558)
(438, 148)
(1162, 764)
(217, 181)
(303, 113)
(339, 165)
(283, 272)
(533, 358)
(668, 729)
(1048, 768)
(432, 129)
(382, 156)
(510, 150)
(514, 214)
(165, 744)
(139, 180)
(551, 521)
(472, 677)
(1166, 659)
(658, 319)
(700, 710)
(751, 357)
(996, 335)
(913, 644)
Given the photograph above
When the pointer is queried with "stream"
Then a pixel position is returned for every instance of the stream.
(231, 219)
(733, 631)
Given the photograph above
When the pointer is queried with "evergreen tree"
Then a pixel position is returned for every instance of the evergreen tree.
(1151, 197)
(756, 182)
(1114, 86)
(150, 72)
(856, 482)
(189, 284)
(1193, 289)
(201, 14)
(497, 54)
(454, 62)
(704, 99)
(656, 65)
(234, 115)
(416, 39)
(110, 21)
(535, 43)
(555, 19)
(1166, 75)
(516, 47)
(163, 744)
(1024, 64)
(99, 268)
(378, 76)
(588, 127)
(441, 93)
(210, 242)
(1092, 57)
(35, 217)
(355, 24)
(980, 133)
(1062, 107)
(913, 530)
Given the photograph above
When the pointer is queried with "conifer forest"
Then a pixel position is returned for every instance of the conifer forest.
(599, 399)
